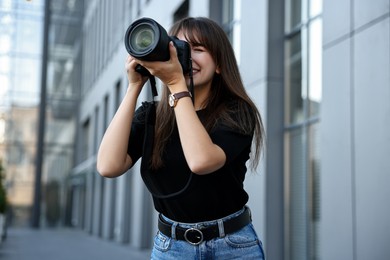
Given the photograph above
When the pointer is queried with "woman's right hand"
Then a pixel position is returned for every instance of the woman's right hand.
(136, 80)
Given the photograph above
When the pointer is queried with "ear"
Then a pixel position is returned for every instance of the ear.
(218, 70)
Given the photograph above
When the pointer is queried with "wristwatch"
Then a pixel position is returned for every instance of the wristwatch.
(173, 98)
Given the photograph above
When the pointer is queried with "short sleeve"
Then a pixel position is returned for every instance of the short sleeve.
(232, 142)
(235, 141)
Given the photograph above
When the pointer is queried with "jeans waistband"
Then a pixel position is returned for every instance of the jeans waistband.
(195, 233)
(204, 223)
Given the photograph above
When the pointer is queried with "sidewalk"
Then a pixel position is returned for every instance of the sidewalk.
(63, 244)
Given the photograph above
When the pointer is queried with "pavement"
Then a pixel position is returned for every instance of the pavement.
(64, 244)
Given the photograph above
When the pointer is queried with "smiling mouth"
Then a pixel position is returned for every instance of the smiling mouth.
(193, 73)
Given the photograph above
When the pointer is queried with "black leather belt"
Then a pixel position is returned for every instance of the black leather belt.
(195, 236)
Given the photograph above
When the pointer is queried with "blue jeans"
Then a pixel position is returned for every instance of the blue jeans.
(242, 244)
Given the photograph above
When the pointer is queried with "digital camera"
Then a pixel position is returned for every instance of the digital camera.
(147, 40)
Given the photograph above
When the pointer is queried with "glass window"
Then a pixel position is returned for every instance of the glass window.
(294, 90)
(2, 130)
(5, 64)
(297, 228)
(314, 189)
(106, 115)
(315, 7)
(182, 11)
(5, 43)
(118, 94)
(85, 140)
(293, 14)
(29, 37)
(303, 87)
(96, 131)
(26, 86)
(228, 17)
(6, 4)
(227, 11)
(315, 66)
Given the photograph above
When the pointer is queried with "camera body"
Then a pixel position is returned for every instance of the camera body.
(147, 40)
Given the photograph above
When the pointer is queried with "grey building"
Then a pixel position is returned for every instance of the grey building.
(354, 140)
(22, 57)
(318, 71)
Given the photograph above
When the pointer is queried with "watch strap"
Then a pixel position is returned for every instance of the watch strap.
(176, 96)
(182, 94)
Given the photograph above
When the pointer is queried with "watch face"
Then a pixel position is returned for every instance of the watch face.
(171, 100)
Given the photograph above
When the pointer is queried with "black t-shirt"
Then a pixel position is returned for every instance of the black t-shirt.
(208, 197)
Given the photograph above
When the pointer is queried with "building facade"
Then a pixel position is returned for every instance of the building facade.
(20, 67)
(319, 73)
(354, 140)
(22, 59)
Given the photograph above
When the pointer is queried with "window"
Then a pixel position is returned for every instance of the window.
(228, 18)
(85, 140)
(118, 94)
(303, 44)
(182, 11)
(2, 130)
(228, 14)
(96, 139)
(106, 118)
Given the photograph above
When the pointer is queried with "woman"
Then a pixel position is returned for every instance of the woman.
(197, 166)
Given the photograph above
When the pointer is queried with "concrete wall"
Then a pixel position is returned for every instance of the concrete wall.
(253, 67)
(355, 119)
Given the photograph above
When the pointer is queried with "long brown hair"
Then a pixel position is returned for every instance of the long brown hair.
(226, 86)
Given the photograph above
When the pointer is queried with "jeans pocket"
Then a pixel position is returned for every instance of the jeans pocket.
(245, 237)
(162, 242)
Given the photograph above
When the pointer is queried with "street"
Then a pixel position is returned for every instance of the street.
(63, 244)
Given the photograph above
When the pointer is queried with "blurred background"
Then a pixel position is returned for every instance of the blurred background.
(318, 71)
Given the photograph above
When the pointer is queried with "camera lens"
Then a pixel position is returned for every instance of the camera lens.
(142, 38)
(146, 40)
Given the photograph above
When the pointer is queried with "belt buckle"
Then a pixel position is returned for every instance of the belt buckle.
(193, 236)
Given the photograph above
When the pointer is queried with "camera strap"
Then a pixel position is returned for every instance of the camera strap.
(152, 81)
(191, 82)
(150, 122)
(153, 88)
(146, 172)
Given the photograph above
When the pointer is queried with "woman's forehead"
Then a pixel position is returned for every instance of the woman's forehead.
(190, 36)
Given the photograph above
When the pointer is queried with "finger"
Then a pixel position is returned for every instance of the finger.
(131, 62)
(129, 58)
(172, 50)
